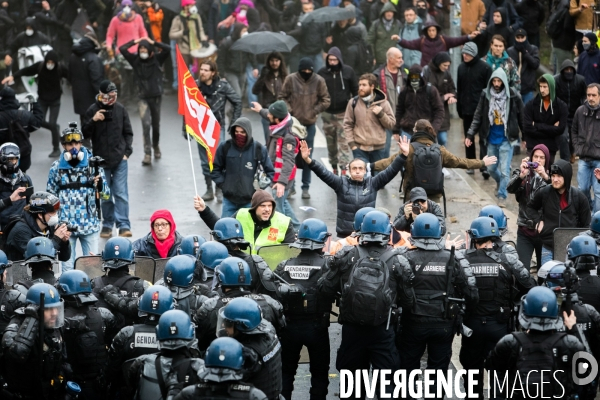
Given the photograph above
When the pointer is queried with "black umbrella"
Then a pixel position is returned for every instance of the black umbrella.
(173, 5)
(265, 42)
(329, 14)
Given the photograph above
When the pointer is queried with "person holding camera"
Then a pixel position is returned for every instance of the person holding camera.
(418, 204)
(78, 181)
(107, 124)
(532, 174)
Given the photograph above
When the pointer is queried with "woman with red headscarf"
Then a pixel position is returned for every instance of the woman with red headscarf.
(163, 239)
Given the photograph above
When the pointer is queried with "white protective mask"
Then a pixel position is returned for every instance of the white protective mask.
(126, 9)
(242, 13)
(29, 32)
(193, 10)
(53, 221)
(50, 66)
(144, 56)
(244, 34)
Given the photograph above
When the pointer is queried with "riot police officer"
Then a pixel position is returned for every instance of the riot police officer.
(368, 337)
(222, 375)
(440, 281)
(209, 256)
(594, 230)
(153, 374)
(242, 320)
(540, 347)
(190, 245)
(87, 331)
(40, 256)
(496, 275)
(10, 299)
(136, 340)
(116, 258)
(234, 280)
(29, 374)
(497, 215)
(583, 252)
(306, 310)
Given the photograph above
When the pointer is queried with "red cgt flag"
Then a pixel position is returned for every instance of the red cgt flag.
(200, 122)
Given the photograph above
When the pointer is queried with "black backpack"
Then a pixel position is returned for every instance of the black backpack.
(427, 167)
(6, 230)
(366, 58)
(559, 20)
(367, 296)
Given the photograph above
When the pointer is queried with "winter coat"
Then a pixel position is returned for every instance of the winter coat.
(589, 65)
(502, 29)
(379, 37)
(472, 12)
(49, 82)
(391, 91)
(214, 17)
(180, 34)
(77, 204)
(425, 103)
(305, 99)
(430, 47)
(547, 199)
(342, 85)
(410, 32)
(481, 120)
(146, 247)
(538, 123)
(532, 13)
(111, 139)
(311, 36)
(403, 224)
(353, 195)
(222, 93)
(527, 60)
(86, 72)
(125, 31)
(365, 129)
(22, 40)
(514, 20)
(473, 78)
(509, 67)
(341, 40)
(585, 132)
(568, 35)
(234, 167)
(289, 149)
(356, 53)
(268, 86)
(8, 208)
(444, 83)
(148, 73)
(572, 92)
(233, 61)
(583, 17)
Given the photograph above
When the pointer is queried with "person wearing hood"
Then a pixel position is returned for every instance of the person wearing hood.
(589, 59)
(433, 42)
(558, 205)
(187, 30)
(514, 21)
(235, 166)
(147, 71)
(163, 239)
(342, 85)
(108, 126)
(498, 119)
(527, 59)
(70, 180)
(50, 73)
(586, 136)
(367, 117)
(86, 72)
(269, 84)
(532, 174)
(497, 57)
(305, 95)
(126, 26)
(338, 33)
(232, 63)
(570, 88)
(358, 55)
(381, 31)
(30, 37)
(437, 74)
(411, 30)
(499, 27)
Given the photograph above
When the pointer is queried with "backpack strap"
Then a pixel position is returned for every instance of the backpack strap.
(354, 101)
(159, 376)
(425, 262)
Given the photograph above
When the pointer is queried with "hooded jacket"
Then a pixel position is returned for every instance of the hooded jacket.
(234, 167)
(365, 129)
(148, 73)
(539, 123)
(514, 20)
(379, 37)
(146, 246)
(234, 61)
(49, 82)
(180, 31)
(340, 38)
(589, 64)
(527, 59)
(268, 85)
(425, 103)
(284, 143)
(508, 65)
(443, 82)
(356, 53)
(342, 84)
(547, 200)
(430, 47)
(514, 111)
(584, 132)
(22, 40)
(573, 92)
(305, 99)
(86, 72)
(473, 78)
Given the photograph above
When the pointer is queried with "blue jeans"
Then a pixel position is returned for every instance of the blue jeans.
(283, 206)
(406, 135)
(116, 208)
(89, 243)
(306, 172)
(501, 170)
(204, 157)
(526, 97)
(442, 138)
(547, 255)
(174, 63)
(369, 156)
(250, 81)
(229, 208)
(587, 180)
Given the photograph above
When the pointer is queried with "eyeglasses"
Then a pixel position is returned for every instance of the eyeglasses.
(72, 137)
(162, 226)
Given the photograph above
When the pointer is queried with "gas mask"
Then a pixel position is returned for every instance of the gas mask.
(73, 156)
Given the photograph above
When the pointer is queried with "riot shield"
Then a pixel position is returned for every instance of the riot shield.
(562, 238)
(145, 268)
(18, 272)
(273, 255)
(160, 267)
(91, 265)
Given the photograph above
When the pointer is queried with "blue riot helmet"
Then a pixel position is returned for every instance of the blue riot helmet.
(224, 352)
(233, 271)
(484, 228)
(595, 224)
(312, 235)
(212, 253)
(191, 245)
(583, 251)
(54, 311)
(118, 252)
(375, 227)
(497, 214)
(76, 284)
(539, 310)
(229, 232)
(156, 300)
(174, 330)
(40, 249)
(359, 216)
(561, 277)
(242, 314)
(179, 271)
(426, 226)
(5, 264)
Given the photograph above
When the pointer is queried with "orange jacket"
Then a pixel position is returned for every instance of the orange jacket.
(156, 20)
(353, 241)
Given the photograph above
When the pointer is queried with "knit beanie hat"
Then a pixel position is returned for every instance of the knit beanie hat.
(259, 197)
(592, 36)
(470, 48)
(187, 3)
(306, 63)
(278, 109)
(107, 86)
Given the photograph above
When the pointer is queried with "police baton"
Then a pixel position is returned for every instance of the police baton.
(41, 328)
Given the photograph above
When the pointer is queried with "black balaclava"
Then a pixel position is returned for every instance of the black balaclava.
(306, 63)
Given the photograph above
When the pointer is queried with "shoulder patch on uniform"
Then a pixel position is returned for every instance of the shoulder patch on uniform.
(289, 147)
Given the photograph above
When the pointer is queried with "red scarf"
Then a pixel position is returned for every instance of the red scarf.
(163, 246)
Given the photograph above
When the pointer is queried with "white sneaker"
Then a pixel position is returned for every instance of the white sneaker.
(445, 172)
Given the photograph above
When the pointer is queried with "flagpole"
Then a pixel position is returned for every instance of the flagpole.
(192, 162)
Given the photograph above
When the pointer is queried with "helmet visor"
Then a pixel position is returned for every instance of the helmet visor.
(8, 278)
(54, 315)
(56, 270)
(225, 327)
(72, 137)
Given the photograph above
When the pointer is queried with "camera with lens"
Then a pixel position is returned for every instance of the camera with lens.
(416, 207)
(71, 228)
(95, 162)
(532, 165)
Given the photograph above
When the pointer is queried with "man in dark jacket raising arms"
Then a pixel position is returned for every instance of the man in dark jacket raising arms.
(562, 206)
